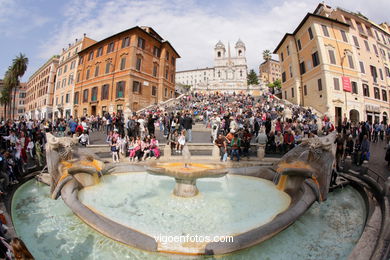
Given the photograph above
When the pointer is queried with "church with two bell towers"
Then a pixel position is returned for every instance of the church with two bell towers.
(229, 73)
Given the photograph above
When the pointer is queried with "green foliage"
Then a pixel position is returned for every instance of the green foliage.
(276, 84)
(252, 78)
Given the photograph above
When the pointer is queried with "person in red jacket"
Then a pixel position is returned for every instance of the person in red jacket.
(79, 129)
(288, 141)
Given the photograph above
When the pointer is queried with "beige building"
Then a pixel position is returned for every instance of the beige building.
(65, 80)
(338, 63)
(269, 71)
(40, 90)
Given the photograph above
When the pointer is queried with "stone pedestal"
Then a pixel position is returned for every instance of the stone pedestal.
(260, 151)
(215, 153)
(185, 188)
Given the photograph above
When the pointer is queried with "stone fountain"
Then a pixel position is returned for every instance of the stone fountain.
(186, 173)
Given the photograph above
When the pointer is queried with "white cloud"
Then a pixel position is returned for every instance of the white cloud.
(194, 29)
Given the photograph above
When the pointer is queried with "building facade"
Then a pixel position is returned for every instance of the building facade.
(269, 71)
(229, 73)
(40, 90)
(20, 100)
(124, 73)
(333, 67)
(65, 80)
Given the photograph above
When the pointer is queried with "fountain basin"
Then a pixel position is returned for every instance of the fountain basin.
(186, 175)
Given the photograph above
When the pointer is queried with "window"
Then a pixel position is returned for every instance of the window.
(70, 79)
(120, 89)
(288, 50)
(99, 52)
(376, 93)
(325, 30)
(384, 95)
(302, 68)
(290, 69)
(387, 72)
(360, 27)
(78, 77)
(375, 49)
(97, 70)
(167, 56)
(157, 52)
(94, 94)
(123, 63)
(155, 69)
(285, 94)
(350, 61)
(65, 68)
(299, 44)
(348, 21)
(90, 56)
(369, 31)
(305, 90)
(108, 65)
(319, 83)
(138, 64)
(59, 71)
(73, 64)
(362, 70)
(85, 95)
(367, 46)
(136, 87)
(292, 92)
(104, 93)
(344, 35)
(377, 36)
(354, 87)
(110, 47)
(310, 33)
(67, 98)
(173, 61)
(154, 91)
(166, 74)
(81, 60)
(336, 84)
(165, 92)
(316, 59)
(380, 73)
(284, 77)
(141, 43)
(125, 42)
(356, 41)
(332, 58)
(219, 54)
(366, 90)
(373, 73)
(87, 76)
(281, 56)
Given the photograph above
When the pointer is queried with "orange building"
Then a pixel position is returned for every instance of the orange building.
(269, 71)
(124, 73)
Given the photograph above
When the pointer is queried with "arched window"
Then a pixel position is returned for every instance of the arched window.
(240, 73)
(219, 74)
(219, 54)
(239, 52)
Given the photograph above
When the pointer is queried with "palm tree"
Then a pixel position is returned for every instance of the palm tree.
(267, 55)
(19, 67)
(10, 82)
(4, 100)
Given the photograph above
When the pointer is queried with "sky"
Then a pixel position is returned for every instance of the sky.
(41, 28)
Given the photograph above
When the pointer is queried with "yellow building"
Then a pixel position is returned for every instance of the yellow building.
(335, 61)
(40, 90)
(65, 82)
(269, 71)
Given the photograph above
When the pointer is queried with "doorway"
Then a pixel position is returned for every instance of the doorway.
(93, 110)
(337, 116)
(354, 116)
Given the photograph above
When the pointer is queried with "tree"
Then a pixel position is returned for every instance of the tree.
(19, 67)
(4, 100)
(267, 55)
(10, 82)
(252, 78)
(276, 85)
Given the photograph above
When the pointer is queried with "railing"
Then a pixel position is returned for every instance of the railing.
(377, 177)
